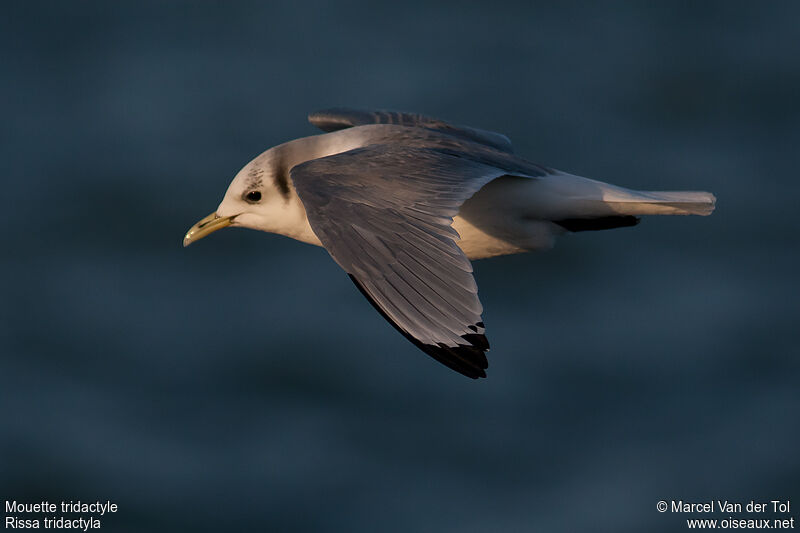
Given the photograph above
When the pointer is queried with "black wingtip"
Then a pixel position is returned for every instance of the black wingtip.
(467, 359)
(597, 224)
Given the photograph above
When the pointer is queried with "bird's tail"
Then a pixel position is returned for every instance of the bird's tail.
(568, 196)
(628, 202)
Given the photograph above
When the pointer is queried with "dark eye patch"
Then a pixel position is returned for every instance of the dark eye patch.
(252, 196)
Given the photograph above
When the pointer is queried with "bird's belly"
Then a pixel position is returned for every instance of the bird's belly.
(478, 244)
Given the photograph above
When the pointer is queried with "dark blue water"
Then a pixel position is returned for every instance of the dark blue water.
(244, 384)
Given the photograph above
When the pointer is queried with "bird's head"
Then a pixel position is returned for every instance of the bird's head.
(259, 197)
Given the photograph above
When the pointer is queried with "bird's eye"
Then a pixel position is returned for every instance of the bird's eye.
(252, 196)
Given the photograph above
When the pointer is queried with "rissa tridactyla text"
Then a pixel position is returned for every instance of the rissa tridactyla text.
(402, 202)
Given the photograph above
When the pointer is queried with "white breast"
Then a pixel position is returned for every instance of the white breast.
(478, 244)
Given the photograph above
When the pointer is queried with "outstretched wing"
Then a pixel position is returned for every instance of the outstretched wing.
(341, 118)
(384, 213)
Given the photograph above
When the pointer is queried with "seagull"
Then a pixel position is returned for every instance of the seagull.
(403, 202)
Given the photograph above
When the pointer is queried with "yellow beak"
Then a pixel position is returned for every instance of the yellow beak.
(210, 224)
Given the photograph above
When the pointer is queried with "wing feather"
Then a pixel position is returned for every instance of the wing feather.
(340, 118)
(385, 214)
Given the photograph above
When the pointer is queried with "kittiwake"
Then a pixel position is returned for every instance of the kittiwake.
(403, 201)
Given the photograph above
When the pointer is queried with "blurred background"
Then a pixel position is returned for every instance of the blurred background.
(244, 384)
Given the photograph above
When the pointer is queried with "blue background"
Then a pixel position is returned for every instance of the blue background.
(244, 384)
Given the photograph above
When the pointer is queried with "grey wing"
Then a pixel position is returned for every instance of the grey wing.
(384, 214)
(341, 118)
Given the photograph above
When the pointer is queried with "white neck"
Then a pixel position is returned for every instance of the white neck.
(290, 217)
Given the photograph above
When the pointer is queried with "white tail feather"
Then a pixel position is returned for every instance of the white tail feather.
(584, 197)
(661, 202)
(563, 196)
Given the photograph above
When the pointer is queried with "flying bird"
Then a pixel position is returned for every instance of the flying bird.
(403, 202)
